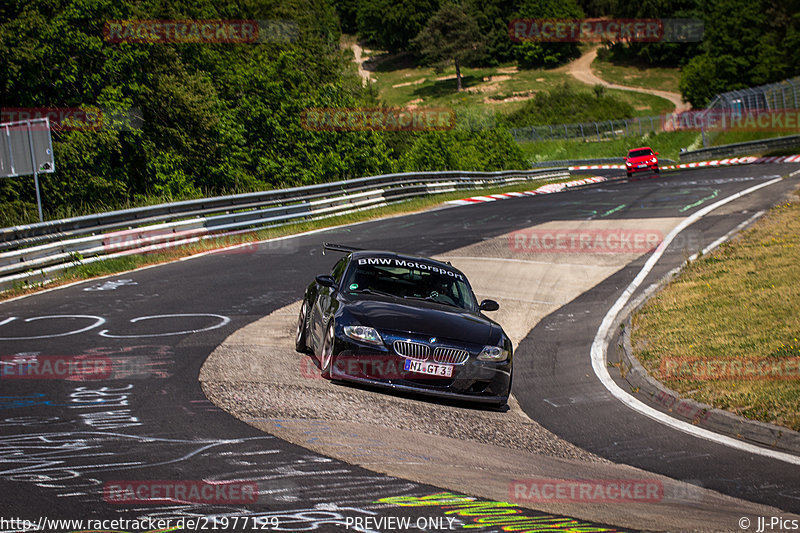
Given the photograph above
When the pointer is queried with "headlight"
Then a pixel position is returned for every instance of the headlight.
(493, 353)
(363, 334)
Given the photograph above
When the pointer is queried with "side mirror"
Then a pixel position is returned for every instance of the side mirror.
(489, 305)
(326, 281)
(655, 153)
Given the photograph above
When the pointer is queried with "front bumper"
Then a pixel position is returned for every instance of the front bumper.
(651, 167)
(475, 381)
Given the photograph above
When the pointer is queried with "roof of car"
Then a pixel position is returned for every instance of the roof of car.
(385, 253)
(640, 148)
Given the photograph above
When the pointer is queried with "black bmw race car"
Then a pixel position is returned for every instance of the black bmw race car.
(407, 323)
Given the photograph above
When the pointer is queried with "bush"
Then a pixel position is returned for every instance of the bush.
(482, 150)
(565, 105)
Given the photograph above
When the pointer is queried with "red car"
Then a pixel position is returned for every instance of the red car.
(640, 159)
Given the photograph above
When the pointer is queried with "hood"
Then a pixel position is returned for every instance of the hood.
(425, 318)
(640, 159)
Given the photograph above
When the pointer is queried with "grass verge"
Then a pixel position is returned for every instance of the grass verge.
(495, 89)
(638, 75)
(740, 304)
(130, 262)
(667, 144)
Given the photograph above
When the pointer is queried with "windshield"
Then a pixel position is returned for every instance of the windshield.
(640, 153)
(409, 279)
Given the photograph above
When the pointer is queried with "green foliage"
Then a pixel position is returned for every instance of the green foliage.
(485, 150)
(598, 8)
(746, 43)
(668, 54)
(566, 105)
(449, 35)
(391, 24)
(347, 10)
(543, 54)
(537, 55)
(213, 118)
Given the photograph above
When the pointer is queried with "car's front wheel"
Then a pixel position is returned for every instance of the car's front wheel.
(326, 360)
(300, 336)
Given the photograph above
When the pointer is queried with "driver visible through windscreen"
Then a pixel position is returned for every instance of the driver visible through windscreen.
(400, 278)
(640, 153)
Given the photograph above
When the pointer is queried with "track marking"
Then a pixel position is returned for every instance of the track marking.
(98, 321)
(700, 201)
(598, 351)
(224, 320)
(612, 211)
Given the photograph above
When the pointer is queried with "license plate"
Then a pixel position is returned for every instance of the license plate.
(642, 166)
(421, 367)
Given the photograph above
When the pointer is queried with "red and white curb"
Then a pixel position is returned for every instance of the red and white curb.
(595, 167)
(544, 189)
(749, 160)
(558, 187)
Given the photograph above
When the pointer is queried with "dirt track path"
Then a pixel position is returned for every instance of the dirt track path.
(581, 70)
(359, 60)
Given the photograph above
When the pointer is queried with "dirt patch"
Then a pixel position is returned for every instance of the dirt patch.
(496, 79)
(407, 83)
(513, 98)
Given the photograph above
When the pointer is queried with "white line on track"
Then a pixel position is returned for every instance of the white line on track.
(598, 352)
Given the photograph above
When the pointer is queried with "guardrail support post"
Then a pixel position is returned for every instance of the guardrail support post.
(35, 173)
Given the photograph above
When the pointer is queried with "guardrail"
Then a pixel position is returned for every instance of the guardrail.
(594, 161)
(744, 148)
(590, 131)
(31, 253)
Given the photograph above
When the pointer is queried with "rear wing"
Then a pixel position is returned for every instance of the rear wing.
(338, 248)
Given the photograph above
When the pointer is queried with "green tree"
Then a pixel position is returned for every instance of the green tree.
(566, 105)
(450, 35)
(391, 24)
(657, 53)
(545, 54)
(746, 43)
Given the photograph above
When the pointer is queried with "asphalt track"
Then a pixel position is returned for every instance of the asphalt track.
(63, 441)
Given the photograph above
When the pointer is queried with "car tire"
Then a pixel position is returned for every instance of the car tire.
(300, 336)
(629, 174)
(326, 355)
(656, 170)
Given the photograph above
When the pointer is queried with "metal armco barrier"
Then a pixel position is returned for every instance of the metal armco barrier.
(744, 148)
(31, 253)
